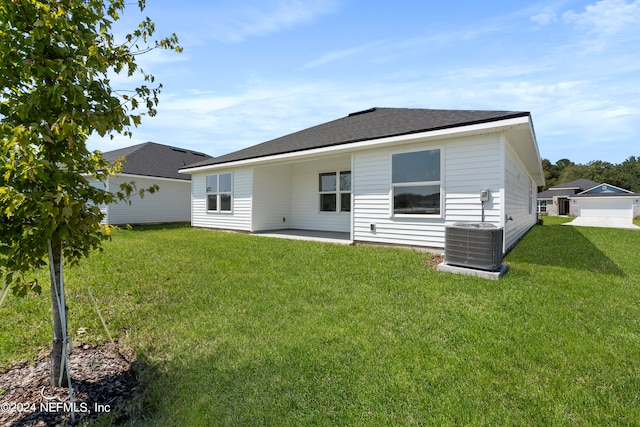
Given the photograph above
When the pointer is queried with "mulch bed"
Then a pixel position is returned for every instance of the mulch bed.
(102, 381)
(432, 263)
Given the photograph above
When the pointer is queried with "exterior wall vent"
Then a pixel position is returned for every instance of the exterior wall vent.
(474, 245)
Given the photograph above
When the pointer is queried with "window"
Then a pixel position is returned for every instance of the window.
(335, 191)
(415, 180)
(219, 192)
(542, 206)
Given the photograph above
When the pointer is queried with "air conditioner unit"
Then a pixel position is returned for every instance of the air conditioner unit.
(474, 245)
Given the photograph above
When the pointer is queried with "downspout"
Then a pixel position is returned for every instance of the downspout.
(191, 201)
(289, 172)
(353, 205)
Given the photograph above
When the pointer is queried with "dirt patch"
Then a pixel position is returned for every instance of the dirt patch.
(102, 381)
(432, 263)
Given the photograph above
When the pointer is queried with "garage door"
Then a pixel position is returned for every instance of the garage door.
(602, 208)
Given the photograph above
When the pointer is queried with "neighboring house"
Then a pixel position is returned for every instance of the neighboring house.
(385, 175)
(148, 164)
(606, 201)
(555, 200)
(586, 198)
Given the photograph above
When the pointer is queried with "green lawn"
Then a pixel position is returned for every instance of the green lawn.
(233, 329)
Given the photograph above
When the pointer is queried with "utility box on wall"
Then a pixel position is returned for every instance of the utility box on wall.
(473, 245)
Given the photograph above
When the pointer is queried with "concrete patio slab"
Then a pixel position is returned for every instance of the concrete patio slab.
(492, 275)
(313, 235)
(604, 222)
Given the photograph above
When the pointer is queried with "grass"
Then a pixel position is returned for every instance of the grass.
(232, 329)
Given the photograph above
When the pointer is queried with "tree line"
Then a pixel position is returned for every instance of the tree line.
(624, 175)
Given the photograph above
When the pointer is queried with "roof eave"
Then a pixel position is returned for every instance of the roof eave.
(622, 190)
(605, 196)
(443, 133)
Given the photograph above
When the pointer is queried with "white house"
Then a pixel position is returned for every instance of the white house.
(384, 175)
(555, 200)
(146, 165)
(606, 201)
(588, 199)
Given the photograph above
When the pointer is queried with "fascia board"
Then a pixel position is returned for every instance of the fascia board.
(134, 176)
(604, 197)
(608, 185)
(159, 178)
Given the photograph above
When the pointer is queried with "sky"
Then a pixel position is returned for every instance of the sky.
(254, 70)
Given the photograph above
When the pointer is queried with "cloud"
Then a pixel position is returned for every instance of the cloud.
(607, 16)
(578, 99)
(607, 22)
(248, 20)
(545, 18)
(338, 55)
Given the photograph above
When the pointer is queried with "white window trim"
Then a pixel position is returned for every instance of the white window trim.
(218, 194)
(392, 186)
(337, 192)
(542, 204)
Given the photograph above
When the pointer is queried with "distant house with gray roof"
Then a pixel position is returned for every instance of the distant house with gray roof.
(146, 165)
(589, 199)
(555, 200)
(383, 175)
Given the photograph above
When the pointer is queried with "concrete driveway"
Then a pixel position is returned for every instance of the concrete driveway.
(603, 222)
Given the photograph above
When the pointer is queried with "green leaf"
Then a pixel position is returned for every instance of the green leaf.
(54, 61)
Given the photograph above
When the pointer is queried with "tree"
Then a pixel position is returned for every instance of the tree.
(564, 163)
(627, 174)
(572, 172)
(599, 171)
(551, 173)
(56, 60)
(624, 175)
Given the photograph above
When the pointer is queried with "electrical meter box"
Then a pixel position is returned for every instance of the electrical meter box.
(484, 195)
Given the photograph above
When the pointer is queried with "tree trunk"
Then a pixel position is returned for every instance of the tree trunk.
(58, 364)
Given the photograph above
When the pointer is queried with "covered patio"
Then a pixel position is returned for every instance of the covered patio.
(337, 237)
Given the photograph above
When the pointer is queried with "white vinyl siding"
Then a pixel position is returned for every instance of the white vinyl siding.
(469, 165)
(104, 209)
(285, 195)
(240, 216)
(520, 199)
(305, 206)
(271, 197)
(474, 164)
(372, 206)
(169, 204)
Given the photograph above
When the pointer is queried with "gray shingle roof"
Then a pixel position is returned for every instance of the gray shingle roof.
(578, 184)
(548, 194)
(156, 160)
(600, 195)
(365, 125)
(612, 191)
(567, 188)
(572, 188)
